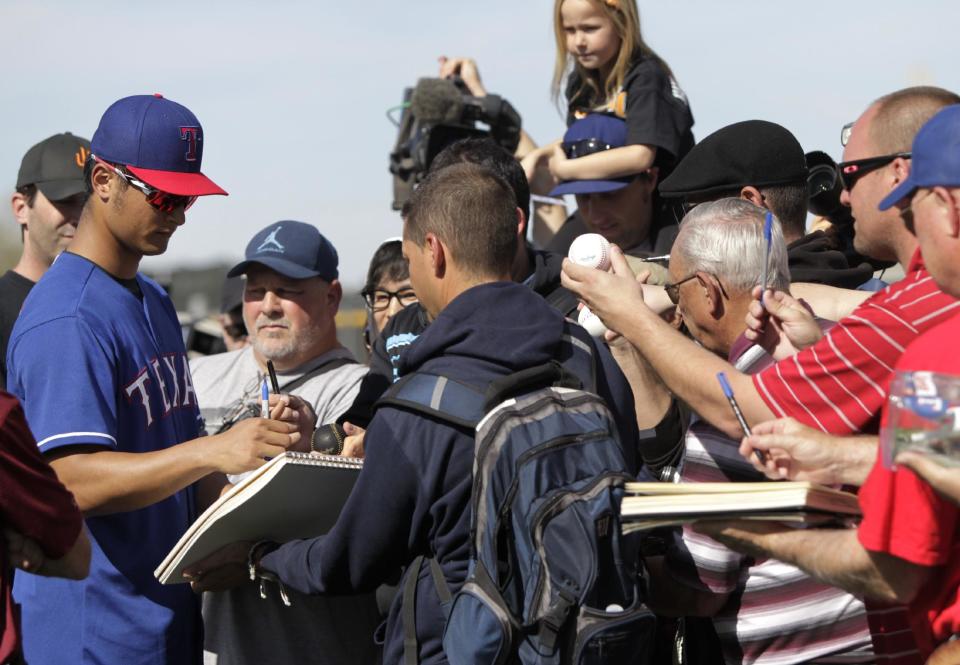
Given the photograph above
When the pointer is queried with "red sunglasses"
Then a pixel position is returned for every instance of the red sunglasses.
(162, 201)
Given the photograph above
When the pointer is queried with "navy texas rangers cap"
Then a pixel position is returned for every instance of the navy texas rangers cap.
(936, 156)
(594, 133)
(55, 166)
(158, 140)
(293, 249)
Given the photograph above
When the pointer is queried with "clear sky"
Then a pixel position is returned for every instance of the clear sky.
(292, 95)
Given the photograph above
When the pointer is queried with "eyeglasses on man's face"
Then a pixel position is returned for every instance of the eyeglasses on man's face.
(673, 290)
(379, 299)
(906, 212)
(160, 200)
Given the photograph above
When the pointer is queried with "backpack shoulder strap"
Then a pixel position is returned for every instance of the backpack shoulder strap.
(322, 368)
(438, 396)
(578, 354)
(562, 300)
(408, 611)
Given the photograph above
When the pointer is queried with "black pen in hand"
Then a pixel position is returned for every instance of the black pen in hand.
(274, 384)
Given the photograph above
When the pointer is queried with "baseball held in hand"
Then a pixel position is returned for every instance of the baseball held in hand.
(591, 250)
(591, 322)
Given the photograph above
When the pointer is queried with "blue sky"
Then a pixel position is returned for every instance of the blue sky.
(292, 95)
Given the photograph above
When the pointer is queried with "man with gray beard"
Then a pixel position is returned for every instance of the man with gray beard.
(291, 297)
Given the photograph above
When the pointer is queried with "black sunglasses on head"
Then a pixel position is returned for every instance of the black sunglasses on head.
(850, 172)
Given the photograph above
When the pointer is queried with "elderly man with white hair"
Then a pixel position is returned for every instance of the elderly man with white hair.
(764, 611)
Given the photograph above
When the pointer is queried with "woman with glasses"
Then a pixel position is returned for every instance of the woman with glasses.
(388, 288)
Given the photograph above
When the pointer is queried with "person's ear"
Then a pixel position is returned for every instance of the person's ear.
(334, 295)
(653, 177)
(521, 225)
(712, 293)
(900, 168)
(100, 179)
(438, 254)
(18, 203)
(753, 195)
(949, 202)
(649, 179)
(955, 198)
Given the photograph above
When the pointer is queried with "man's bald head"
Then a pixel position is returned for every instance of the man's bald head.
(901, 114)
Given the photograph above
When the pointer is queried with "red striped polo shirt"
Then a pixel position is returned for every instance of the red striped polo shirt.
(839, 384)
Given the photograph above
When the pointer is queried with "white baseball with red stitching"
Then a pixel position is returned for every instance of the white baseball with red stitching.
(591, 322)
(591, 250)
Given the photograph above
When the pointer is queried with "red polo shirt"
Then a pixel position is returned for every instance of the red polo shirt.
(904, 517)
(32, 502)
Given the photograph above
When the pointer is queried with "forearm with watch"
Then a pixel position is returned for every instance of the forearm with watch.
(259, 550)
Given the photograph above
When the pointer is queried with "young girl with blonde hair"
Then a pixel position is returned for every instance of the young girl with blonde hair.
(609, 68)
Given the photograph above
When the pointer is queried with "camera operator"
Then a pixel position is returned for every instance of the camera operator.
(547, 216)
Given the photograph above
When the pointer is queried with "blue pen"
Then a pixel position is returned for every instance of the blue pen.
(767, 236)
(264, 399)
(728, 392)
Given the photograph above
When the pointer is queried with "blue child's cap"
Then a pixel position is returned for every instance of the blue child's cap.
(293, 249)
(936, 157)
(158, 140)
(595, 133)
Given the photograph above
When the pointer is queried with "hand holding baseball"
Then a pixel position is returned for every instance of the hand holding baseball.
(591, 322)
(591, 250)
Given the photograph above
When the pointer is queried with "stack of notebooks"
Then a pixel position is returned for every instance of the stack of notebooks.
(650, 505)
(294, 495)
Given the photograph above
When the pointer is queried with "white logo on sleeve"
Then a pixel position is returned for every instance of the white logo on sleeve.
(270, 243)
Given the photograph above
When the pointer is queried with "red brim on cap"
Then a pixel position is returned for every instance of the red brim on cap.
(175, 182)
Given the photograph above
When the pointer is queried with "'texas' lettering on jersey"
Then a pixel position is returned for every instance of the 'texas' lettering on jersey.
(170, 375)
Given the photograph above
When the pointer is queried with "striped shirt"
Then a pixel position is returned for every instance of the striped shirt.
(839, 384)
(775, 614)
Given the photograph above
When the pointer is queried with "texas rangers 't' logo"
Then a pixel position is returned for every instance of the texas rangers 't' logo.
(192, 136)
(270, 243)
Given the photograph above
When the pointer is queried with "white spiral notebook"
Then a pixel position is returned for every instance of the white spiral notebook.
(294, 495)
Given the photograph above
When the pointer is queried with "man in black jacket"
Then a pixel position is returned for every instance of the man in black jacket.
(538, 270)
(412, 497)
(764, 163)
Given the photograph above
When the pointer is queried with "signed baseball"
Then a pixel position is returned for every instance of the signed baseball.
(591, 250)
(591, 322)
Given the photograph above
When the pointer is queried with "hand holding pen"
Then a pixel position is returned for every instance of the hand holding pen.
(264, 399)
(728, 393)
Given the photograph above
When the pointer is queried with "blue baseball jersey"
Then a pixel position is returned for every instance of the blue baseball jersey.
(95, 364)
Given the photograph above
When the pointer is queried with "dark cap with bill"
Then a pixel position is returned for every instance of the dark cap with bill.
(753, 152)
(293, 249)
(55, 166)
(596, 132)
(158, 140)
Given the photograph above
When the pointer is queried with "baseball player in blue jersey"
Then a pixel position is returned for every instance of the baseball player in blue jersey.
(97, 359)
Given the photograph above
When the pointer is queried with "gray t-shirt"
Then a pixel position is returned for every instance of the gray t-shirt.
(240, 628)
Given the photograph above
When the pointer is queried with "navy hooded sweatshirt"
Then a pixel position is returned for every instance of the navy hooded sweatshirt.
(413, 495)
